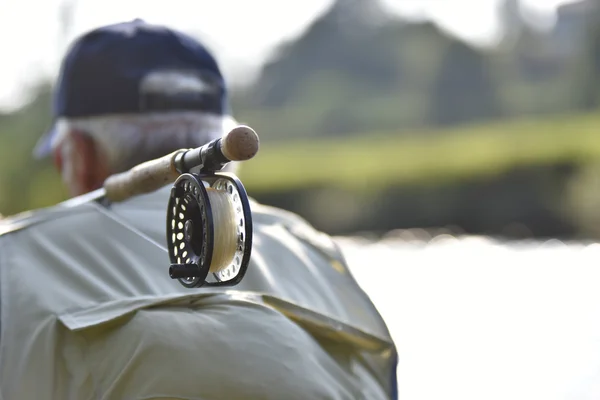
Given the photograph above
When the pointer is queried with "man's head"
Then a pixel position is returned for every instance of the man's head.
(128, 93)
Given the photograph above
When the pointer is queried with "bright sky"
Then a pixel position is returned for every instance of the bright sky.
(30, 34)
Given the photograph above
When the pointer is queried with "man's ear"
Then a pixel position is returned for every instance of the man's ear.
(57, 157)
(87, 161)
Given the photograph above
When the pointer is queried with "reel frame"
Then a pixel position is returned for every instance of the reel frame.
(191, 229)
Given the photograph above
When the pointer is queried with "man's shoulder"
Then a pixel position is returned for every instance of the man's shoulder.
(298, 226)
(78, 206)
(72, 214)
(28, 219)
(267, 214)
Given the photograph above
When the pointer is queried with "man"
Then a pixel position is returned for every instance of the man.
(87, 307)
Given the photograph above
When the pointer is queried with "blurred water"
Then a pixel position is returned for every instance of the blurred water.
(474, 318)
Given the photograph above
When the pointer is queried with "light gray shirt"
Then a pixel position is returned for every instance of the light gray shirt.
(88, 311)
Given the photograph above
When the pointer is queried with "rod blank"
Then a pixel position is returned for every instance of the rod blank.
(239, 144)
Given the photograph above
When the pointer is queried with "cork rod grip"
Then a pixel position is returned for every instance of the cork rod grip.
(240, 144)
(143, 178)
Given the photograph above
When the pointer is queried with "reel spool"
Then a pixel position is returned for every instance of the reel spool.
(209, 229)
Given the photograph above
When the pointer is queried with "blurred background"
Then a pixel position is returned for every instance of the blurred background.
(478, 116)
(451, 146)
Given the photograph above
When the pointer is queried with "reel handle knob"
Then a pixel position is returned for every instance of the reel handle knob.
(177, 271)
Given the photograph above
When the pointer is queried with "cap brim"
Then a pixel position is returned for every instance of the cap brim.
(43, 147)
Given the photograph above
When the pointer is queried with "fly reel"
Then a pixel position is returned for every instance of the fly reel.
(209, 223)
(209, 229)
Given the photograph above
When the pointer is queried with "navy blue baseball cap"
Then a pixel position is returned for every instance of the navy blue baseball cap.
(106, 70)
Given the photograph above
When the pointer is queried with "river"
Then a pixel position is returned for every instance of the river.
(475, 318)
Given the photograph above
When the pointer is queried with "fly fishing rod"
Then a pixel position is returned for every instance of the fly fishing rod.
(209, 223)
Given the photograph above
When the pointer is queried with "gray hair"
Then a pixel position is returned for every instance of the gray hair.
(130, 139)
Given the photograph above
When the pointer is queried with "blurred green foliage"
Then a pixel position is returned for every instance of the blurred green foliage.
(350, 74)
(26, 183)
(377, 160)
